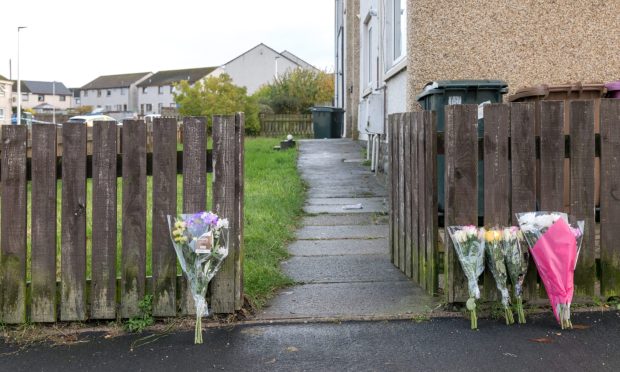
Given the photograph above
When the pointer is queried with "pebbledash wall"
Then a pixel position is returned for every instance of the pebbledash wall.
(524, 42)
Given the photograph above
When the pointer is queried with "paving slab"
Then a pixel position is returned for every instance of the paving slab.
(343, 232)
(344, 201)
(336, 209)
(345, 219)
(338, 247)
(348, 300)
(342, 269)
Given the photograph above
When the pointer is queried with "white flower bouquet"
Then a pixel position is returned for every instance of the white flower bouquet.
(517, 260)
(469, 246)
(201, 244)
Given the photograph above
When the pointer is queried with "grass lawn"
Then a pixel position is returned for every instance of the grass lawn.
(274, 196)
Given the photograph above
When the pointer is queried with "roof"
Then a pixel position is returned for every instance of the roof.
(43, 87)
(169, 77)
(286, 54)
(298, 60)
(115, 81)
(3, 78)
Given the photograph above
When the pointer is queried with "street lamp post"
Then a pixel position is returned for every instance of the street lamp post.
(19, 83)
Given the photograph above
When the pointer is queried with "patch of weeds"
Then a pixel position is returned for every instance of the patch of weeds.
(496, 311)
(138, 323)
(367, 163)
(419, 318)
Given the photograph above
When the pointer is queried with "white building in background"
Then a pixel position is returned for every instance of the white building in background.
(157, 91)
(43, 96)
(6, 89)
(113, 92)
(260, 65)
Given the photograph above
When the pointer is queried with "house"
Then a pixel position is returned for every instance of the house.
(156, 91)
(388, 50)
(52, 94)
(260, 65)
(6, 89)
(113, 92)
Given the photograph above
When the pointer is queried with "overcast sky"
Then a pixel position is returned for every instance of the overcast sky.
(74, 41)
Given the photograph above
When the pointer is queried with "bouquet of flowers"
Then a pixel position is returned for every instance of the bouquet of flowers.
(555, 245)
(495, 258)
(517, 260)
(469, 246)
(201, 243)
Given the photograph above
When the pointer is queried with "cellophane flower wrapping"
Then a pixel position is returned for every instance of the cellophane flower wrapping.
(554, 243)
(495, 259)
(469, 246)
(201, 243)
(517, 259)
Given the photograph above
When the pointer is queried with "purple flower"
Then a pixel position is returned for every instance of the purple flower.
(209, 218)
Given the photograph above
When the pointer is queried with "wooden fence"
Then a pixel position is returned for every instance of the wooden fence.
(279, 125)
(524, 151)
(103, 295)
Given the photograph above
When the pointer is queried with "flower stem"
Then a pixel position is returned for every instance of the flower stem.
(198, 330)
(474, 319)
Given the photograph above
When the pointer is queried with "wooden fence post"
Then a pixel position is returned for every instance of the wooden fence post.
(421, 191)
(73, 247)
(430, 200)
(551, 156)
(461, 185)
(103, 283)
(582, 190)
(239, 196)
(523, 173)
(224, 158)
(497, 182)
(414, 181)
(401, 192)
(133, 266)
(391, 188)
(194, 184)
(164, 204)
(13, 219)
(407, 254)
(610, 198)
(43, 255)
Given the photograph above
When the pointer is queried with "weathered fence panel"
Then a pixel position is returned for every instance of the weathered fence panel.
(582, 189)
(79, 299)
(610, 198)
(526, 149)
(461, 142)
(13, 219)
(194, 183)
(279, 125)
(43, 205)
(73, 224)
(103, 274)
(164, 204)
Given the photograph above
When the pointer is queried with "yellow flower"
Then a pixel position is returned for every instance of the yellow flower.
(492, 236)
(497, 235)
(488, 236)
(180, 225)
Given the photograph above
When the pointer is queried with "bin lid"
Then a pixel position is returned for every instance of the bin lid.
(440, 86)
(613, 85)
(326, 109)
(543, 90)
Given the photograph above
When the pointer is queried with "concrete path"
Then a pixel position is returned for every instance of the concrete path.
(341, 259)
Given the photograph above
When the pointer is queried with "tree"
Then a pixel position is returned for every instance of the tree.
(217, 95)
(296, 91)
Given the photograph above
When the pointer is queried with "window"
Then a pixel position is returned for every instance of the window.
(2, 90)
(78, 101)
(1, 114)
(108, 93)
(85, 93)
(369, 56)
(24, 96)
(62, 98)
(41, 98)
(123, 91)
(108, 108)
(159, 107)
(171, 89)
(98, 92)
(144, 90)
(160, 89)
(124, 107)
(149, 107)
(400, 28)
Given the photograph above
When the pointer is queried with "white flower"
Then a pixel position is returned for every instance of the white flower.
(222, 223)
